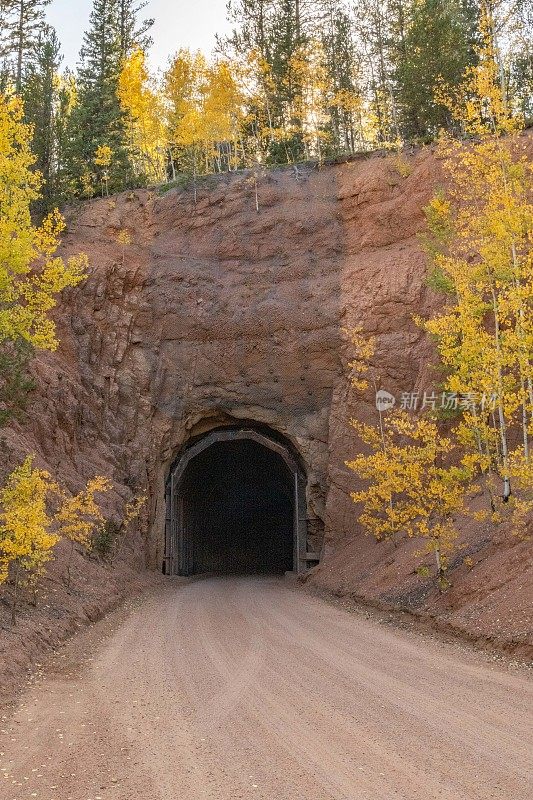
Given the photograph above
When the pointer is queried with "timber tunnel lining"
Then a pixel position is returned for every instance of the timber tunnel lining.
(236, 503)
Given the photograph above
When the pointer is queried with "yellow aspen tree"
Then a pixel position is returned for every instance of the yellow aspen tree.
(191, 141)
(467, 349)
(310, 106)
(360, 371)
(384, 513)
(254, 76)
(26, 538)
(351, 105)
(184, 87)
(132, 511)
(124, 240)
(364, 348)
(77, 516)
(87, 185)
(31, 275)
(482, 230)
(205, 115)
(35, 513)
(103, 158)
(410, 487)
(143, 106)
(222, 116)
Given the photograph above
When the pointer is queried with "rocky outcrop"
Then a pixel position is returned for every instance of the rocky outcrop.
(218, 313)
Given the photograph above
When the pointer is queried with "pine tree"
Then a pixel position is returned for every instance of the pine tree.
(133, 35)
(374, 39)
(65, 137)
(249, 46)
(6, 7)
(252, 32)
(39, 93)
(98, 120)
(435, 49)
(23, 25)
(342, 71)
(288, 36)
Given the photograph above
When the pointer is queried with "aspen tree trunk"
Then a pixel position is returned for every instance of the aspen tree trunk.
(377, 102)
(243, 152)
(15, 594)
(520, 328)
(269, 115)
(496, 50)
(501, 413)
(297, 20)
(385, 83)
(172, 165)
(384, 447)
(524, 366)
(438, 559)
(20, 47)
(524, 419)
(69, 562)
(498, 448)
(483, 447)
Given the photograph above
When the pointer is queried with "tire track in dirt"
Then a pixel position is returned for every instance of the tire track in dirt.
(226, 688)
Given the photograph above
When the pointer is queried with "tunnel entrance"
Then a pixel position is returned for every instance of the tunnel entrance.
(238, 509)
(236, 505)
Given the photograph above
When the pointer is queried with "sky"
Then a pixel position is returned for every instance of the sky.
(178, 23)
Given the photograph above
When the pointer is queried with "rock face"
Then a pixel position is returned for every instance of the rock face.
(217, 313)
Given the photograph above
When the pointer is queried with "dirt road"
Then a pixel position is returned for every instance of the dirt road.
(248, 688)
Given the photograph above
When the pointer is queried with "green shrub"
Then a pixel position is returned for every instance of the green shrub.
(104, 538)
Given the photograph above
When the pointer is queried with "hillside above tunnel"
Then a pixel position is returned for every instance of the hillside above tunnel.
(221, 317)
(216, 313)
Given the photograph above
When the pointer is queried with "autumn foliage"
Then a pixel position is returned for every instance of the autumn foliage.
(31, 274)
(412, 488)
(480, 249)
(35, 513)
(479, 233)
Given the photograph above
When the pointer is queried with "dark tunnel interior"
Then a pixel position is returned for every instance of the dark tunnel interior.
(238, 510)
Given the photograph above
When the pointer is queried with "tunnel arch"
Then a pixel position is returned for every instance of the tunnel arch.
(265, 520)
